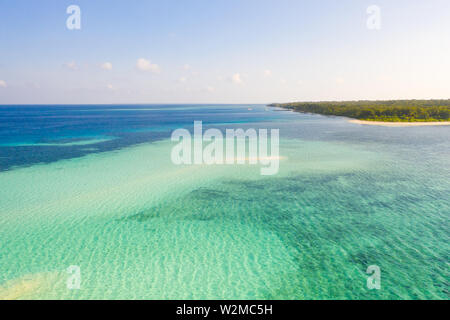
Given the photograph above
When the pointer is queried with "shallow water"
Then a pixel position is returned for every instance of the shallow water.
(94, 186)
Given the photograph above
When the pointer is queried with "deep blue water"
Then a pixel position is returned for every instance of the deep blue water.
(42, 134)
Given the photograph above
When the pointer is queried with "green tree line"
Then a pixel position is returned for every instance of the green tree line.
(390, 110)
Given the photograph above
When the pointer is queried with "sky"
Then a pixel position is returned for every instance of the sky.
(223, 51)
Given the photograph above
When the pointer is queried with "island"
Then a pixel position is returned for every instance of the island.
(387, 111)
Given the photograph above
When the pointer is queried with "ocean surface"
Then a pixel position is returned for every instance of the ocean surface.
(93, 186)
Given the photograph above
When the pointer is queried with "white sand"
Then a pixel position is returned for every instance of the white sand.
(400, 124)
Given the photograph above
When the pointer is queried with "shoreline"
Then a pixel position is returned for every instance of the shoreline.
(399, 124)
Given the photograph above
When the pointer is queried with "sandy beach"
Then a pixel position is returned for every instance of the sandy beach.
(400, 124)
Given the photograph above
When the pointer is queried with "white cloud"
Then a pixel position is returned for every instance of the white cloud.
(71, 65)
(340, 80)
(145, 65)
(3, 84)
(267, 73)
(237, 78)
(106, 66)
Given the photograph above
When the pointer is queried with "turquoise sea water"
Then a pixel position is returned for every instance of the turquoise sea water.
(93, 186)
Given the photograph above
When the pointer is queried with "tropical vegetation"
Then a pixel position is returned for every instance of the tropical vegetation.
(390, 110)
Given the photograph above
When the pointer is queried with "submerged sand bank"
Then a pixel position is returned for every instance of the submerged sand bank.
(30, 286)
(400, 124)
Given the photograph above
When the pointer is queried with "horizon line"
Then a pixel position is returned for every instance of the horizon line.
(214, 103)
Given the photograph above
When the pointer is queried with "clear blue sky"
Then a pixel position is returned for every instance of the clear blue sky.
(223, 51)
